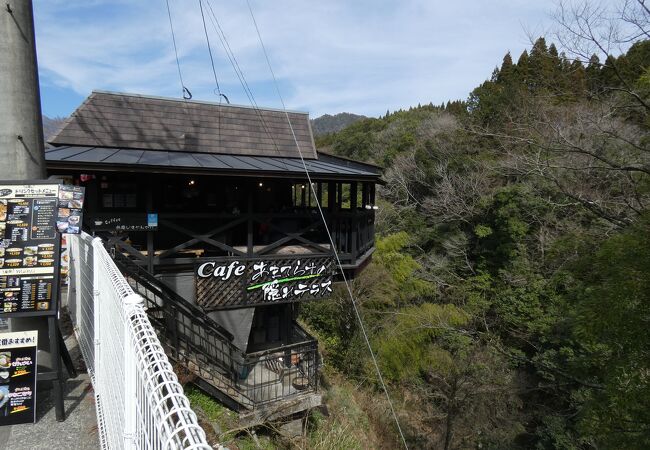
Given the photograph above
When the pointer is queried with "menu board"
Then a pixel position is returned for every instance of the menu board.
(29, 247)
(18, 377)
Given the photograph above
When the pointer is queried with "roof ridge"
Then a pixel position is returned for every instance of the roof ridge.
(201, 102)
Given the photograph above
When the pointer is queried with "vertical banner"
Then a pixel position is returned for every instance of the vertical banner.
(18, 377)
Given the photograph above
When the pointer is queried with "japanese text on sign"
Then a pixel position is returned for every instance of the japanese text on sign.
(259, 281)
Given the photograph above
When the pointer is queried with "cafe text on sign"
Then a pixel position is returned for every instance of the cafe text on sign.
(230, 283)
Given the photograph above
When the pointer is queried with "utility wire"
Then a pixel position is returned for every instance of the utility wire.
(329, 234)
(214, 71)
(240, 75)
(185, 91)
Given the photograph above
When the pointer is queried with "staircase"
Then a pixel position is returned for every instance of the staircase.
(255, 384)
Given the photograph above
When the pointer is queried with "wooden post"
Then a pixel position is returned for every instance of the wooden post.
(331, 196)
(365, 195)
(249, 243)
(150, 244)
(331, 209)
(319, 193)
(339, 196)
(354, 221)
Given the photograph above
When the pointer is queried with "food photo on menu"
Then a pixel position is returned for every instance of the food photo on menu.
(4, 398)
(5, 365)
(65, 194)
(70, 211)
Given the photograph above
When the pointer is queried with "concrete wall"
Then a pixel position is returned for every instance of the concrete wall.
(237, 321)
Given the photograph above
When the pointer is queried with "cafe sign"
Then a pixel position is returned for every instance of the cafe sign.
(125, 222)
(224, 283)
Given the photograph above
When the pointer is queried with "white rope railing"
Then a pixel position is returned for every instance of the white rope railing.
(140, 403)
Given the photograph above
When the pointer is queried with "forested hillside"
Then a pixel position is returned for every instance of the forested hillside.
(328, 123)
(508, 301)
(51, 126)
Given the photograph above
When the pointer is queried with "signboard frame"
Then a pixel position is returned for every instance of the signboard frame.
(54, 306)
(58, 349)
(235, 293)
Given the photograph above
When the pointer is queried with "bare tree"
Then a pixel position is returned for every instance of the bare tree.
(586, 151)
(404, 179)
(456, 196)
(588, 28)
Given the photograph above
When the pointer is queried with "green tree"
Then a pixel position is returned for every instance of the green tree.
(611, 318)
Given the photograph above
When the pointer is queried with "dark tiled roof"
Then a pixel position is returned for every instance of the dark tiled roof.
(103, 158)
(128, 121)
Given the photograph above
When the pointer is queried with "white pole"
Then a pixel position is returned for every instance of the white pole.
(129, 304)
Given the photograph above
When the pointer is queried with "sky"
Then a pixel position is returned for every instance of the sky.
(358, 56)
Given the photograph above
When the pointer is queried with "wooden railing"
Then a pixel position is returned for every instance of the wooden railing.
(192, 237)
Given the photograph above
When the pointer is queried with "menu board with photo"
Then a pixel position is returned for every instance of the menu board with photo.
(65, 260)
(18, 377)
(29, 247)
(70, 209)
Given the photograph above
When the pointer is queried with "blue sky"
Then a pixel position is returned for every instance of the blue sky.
(362, 56)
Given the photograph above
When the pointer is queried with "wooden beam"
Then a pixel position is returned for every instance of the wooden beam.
(207, 240)
(197, 239)
(129, 249)
(288, 237)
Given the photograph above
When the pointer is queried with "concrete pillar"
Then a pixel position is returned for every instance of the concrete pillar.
(22, 154)
(21, 128)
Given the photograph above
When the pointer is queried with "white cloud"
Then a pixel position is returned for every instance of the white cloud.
(363, 56)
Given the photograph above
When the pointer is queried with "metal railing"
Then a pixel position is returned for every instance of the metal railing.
(140, 403)
(244, 381)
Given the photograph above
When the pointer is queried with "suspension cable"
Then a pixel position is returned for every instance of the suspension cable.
(329, 234)
(242, 79)
(184, 90)
(207, 40)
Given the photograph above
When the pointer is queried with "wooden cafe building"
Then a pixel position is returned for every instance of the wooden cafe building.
(208, 206)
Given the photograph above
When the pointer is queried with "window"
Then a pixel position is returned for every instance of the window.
(119, 195)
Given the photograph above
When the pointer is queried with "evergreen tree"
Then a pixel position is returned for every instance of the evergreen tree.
(578, 79)
(523, 70)
(541, 66)
(594, 80)
(507, 69)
